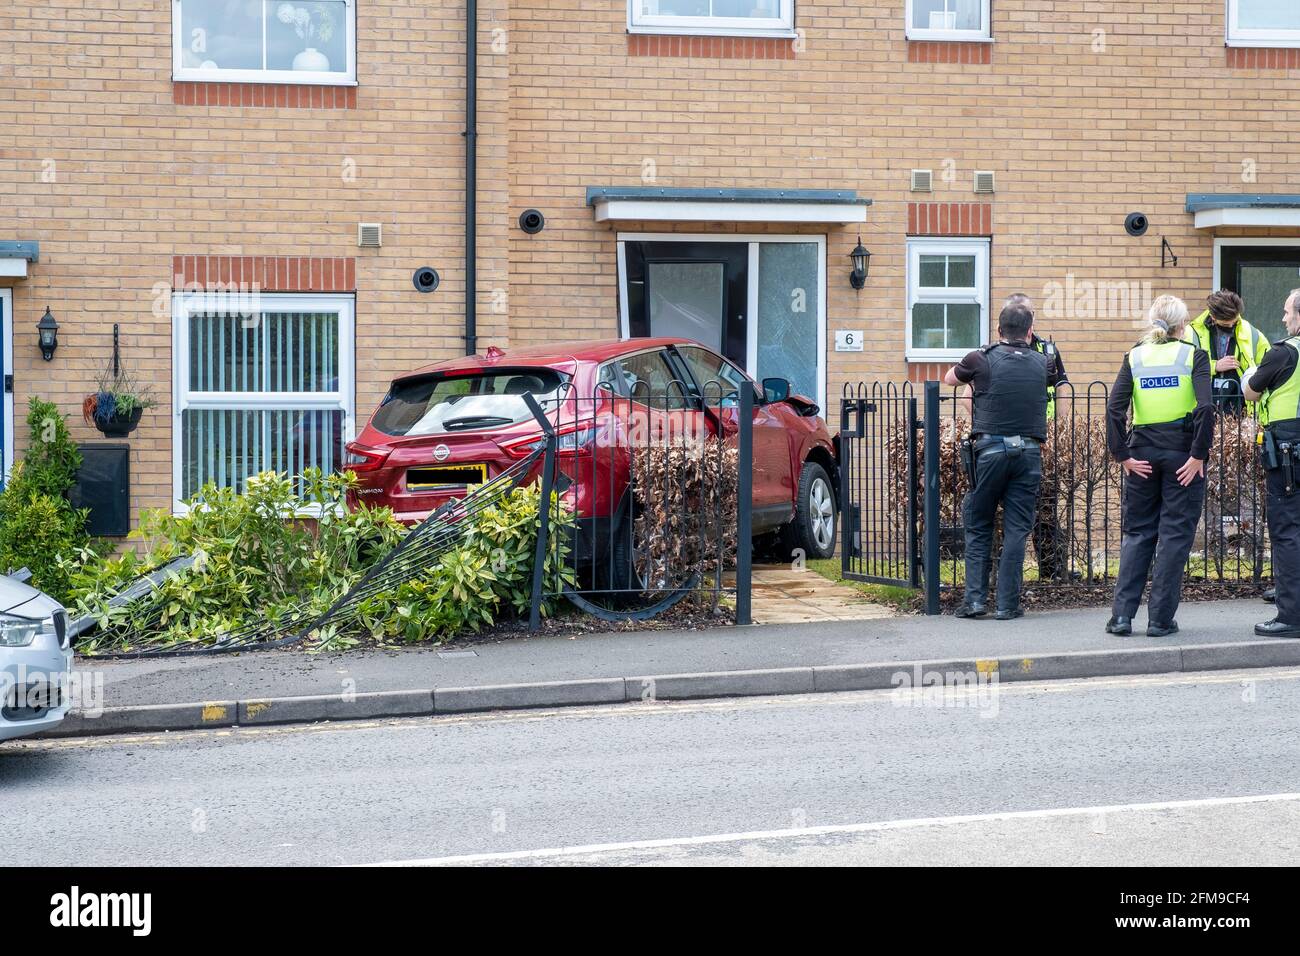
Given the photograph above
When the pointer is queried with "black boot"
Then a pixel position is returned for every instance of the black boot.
(1270, 596)
(1276, 628)
(1119, 626)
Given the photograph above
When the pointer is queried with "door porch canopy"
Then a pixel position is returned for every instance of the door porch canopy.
(840, 207)
(1213, 210)
(14, 257)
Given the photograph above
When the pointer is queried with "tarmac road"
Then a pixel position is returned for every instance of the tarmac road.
(1113, 770)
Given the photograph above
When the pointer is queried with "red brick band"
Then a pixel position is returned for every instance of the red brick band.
(949, 219)
(1263, 58)
(266, 273)
(949, 51)
(918, 372)
(283, 95)
(716, 48)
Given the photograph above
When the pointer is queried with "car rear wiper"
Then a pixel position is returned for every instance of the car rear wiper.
(472, 421)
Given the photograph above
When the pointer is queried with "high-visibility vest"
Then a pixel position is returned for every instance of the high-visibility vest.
(1283, 403)
(1249, 346)
(1162, 382)
(1048, 349)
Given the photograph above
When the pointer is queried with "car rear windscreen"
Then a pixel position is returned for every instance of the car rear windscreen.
(441, 404)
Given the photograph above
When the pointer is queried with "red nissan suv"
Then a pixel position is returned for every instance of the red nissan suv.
(446, 426)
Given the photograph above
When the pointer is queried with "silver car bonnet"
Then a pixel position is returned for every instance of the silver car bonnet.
(20, 600)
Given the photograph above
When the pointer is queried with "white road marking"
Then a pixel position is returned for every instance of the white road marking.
(880, 826)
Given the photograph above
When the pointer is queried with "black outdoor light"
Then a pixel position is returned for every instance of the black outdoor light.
(861, 262)
(48, 331)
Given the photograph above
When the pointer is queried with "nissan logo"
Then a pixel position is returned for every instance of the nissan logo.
(441, 453)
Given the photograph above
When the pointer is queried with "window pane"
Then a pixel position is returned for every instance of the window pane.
(720, 381)
(744, 9)
(221, 34)
(1265, 289)
(439, 404)
(948, 14)
(1268, 15)
(961, 272)
(307, 36)
(686, 300)
(271, 352)
(787, 314)
(927, 325)
(227, 446)
(934, 272)
(963, 326)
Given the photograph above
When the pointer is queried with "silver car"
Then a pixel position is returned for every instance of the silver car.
(35, 660)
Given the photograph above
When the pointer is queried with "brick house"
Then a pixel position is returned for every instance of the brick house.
(199, 172)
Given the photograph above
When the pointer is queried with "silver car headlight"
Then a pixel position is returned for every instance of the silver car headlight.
(18, 631)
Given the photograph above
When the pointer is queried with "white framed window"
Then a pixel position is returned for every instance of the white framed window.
(948, 20)
(265, 41)
(947, 297)
(262, 383)
(773, 18)
(1263, 23)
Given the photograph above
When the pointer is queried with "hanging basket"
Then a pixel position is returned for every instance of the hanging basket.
(119, 426)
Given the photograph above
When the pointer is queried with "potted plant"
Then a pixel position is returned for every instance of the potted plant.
(311, 22)
(118, 402)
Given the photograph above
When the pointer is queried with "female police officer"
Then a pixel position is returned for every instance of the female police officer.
(1167, 383)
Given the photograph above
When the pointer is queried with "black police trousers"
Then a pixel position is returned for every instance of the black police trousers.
(1159, 523)
(1012, 481)
(1284, 536)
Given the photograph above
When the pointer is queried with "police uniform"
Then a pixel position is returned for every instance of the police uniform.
(1278, 379)
(1245, 343)
(1009, 383)
(1167, 385)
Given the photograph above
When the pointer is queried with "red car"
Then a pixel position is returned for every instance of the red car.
(446, 426)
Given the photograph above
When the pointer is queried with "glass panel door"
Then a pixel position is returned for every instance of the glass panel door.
(788, 309)
(694, 290)
(1263, 276)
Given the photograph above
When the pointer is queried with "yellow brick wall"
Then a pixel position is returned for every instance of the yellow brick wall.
(1087, 112)
(112, 178)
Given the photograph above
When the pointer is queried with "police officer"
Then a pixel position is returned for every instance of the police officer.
(1234, 345)
(1277, 384)
(1049, 540)
(1009, 382)
(1166, 381)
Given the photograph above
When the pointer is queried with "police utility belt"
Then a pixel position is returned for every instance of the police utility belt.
(1284, 454)
(972, 446)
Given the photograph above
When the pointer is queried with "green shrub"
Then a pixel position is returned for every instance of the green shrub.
(254, 561)
(39, 528)
(489, 574)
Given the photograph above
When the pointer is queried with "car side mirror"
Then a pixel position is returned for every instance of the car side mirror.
(775, 390)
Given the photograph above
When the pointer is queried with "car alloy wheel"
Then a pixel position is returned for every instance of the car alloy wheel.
(821, 512)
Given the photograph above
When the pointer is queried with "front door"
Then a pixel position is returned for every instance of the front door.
(1263, 276)
(694, 290)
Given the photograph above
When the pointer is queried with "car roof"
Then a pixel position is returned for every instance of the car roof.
(552, 355)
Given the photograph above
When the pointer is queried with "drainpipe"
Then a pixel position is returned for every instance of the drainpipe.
(471, 176)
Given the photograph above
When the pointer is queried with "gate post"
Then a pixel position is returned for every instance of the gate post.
(745, 506)
(913, 552)
(931, 546)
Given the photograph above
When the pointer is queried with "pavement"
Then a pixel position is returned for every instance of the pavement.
(1174, 769)
(610, 668)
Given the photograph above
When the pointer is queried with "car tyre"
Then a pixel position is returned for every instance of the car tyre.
(815, 523)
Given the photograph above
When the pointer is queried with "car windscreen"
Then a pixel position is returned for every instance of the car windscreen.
(441, 404)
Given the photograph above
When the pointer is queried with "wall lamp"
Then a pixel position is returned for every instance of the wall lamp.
(48, 333)
(861, 263)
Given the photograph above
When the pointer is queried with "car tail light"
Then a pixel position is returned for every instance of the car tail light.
(576, 440)
(361, 459)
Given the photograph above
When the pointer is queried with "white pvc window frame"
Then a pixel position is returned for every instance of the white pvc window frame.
(346, 77)
(947, 295)
(1239, 36)
(641, 18)
(6, 397)
(753, 241)
(341, 399)
(983, 34)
